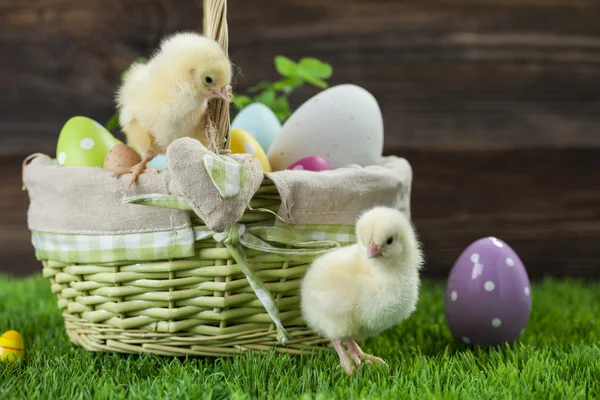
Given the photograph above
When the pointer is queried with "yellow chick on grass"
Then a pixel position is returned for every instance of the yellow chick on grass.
(361, 290)
(167, 98)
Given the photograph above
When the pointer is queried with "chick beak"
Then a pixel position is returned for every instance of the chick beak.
(223, 93)
(373, 250)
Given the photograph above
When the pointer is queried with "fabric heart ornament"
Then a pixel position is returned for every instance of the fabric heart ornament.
(229, 178)
(217, 187)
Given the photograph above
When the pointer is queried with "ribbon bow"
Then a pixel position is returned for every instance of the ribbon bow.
(231, 240)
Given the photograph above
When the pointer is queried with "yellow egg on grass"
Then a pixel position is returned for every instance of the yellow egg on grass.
(84, 142)
(242, 142)
(11, 346)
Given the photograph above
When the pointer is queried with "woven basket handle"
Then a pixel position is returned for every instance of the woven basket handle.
(215, 27)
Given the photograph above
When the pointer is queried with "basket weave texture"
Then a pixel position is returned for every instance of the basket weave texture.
(202, 305)
(177, 289)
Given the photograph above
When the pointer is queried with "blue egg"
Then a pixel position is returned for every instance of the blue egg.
(159, 162)
(259, 121)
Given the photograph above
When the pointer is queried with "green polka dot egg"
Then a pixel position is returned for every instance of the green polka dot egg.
(84, 142)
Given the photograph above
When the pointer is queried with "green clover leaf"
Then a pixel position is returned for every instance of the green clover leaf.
(113, 122)
(315, 68)
(287, 85)
(259, 86)
(285, 66)
(281, 108)
(316, 81)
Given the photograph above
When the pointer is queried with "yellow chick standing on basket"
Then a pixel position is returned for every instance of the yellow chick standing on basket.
(167, 98)
(359, 291)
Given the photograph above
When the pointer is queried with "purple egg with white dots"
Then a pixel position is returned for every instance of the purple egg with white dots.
(488, 294)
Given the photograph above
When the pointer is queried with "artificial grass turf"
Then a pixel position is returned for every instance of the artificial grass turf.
(558, 357)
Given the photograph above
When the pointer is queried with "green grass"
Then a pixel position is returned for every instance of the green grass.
(557, 358)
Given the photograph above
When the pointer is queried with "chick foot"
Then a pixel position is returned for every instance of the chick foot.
(139, 168)
(345, 361)
(136, 171)
(357, 355)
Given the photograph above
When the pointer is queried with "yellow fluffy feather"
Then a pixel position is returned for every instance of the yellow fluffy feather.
(167, 98)
(359, 291)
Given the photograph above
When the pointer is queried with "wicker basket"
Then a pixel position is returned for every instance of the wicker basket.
(202, 305)
(208, 303)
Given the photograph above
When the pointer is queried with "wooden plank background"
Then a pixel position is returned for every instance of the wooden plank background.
(495, 104)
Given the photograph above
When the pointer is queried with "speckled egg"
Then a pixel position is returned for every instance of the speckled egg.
(259, 121)
(84, 142)
(11, 346)
(488, 294)
(342, 124)
(121, 157)
(310, 163)
(242, 142)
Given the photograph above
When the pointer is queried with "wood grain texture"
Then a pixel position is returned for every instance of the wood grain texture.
(451, 74)
(544, 203)
(15, 239)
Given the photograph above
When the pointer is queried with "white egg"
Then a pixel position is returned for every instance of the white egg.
(259, 121)
(342, 124)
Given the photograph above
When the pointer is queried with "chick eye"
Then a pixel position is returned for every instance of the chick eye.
(390, 241)
(208, 80)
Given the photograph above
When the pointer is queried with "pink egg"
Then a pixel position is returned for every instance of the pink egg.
(310, 163)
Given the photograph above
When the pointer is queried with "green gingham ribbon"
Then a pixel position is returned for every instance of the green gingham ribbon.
(170, 201)
(80, 248)
(231, 240)
(229, 178)
(343, 234)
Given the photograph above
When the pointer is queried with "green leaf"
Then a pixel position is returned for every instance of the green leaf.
(288, 84)
(260, 86)
(315, 68)
(267, 98)
(113, 122)
(281, 108)
(285, 66)
(316, 82)
(281, 104)
(282, 115)
(241, 101)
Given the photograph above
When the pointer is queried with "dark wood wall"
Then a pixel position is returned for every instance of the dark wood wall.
(495, 104)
